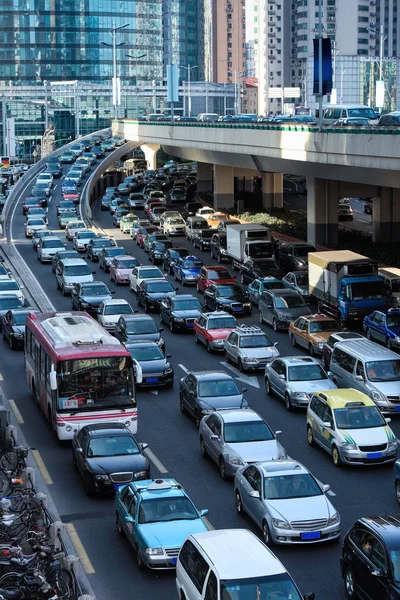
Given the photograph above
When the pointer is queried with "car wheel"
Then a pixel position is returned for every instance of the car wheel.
(266, 534)
(171, 326)
(268, 388)
(260, 317)
(389, 343)
(139, 559)
(293, 340)
(182, 404)
(288, 402)
(274, 324)
(208, 346)
(222, 468)
(310, 436)
(238, 503)
(240, 365)
(197, 418)
(397, 488)
(74, 465)
(203, 449)
(10, 341)
(349, 584)
(63, 291)
(311, 350)
(196, 337)
(88, 487)
(219, 258)
(337, 461)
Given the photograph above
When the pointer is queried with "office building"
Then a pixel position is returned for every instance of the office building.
(228, 40)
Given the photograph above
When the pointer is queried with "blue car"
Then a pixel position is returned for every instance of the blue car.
(69, 185)
(156, 515)
(384, 328)
(260, 285)
(186, 270)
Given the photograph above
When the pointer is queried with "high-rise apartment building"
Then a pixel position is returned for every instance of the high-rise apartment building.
(228, 40)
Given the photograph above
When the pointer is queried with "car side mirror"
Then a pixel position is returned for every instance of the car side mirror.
(203, 512)
(309, 596)
(244, 390)
(325, 488)
(282, 376)
(254, 494)
(276, 344)
(359, 378)
(327, 425)
(388, 420)
(168, 355)
(79, 450)
(214, 437)
(278, 433)
(143, 446)
(161, 329)
(113, 291)
(93, 272)
(377, 572)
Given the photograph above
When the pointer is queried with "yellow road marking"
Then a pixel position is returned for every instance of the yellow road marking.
(42, 467)
(17, 414)
(80, 550)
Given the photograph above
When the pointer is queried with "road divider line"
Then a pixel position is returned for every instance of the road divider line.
(80, 549)
(153, 458)
(17, 414)
(42, 467)
(184, 369)
(207, 522)
(1, 377)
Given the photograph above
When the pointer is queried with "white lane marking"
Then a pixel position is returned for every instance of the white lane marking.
(184, 369)
(55, 187)
(155, 392)
(153, 458)
(330, 492)
(364, 221)
(249, 380)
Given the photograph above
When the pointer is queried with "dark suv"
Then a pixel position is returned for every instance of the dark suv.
(279, 307)
(370, 559)
(293, 256)
(218, 247)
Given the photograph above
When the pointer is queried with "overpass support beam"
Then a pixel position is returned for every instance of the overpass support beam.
(272, 190)
(150, 154)
(223, 187)
(322, 211)
(204, 177)
(386, 216)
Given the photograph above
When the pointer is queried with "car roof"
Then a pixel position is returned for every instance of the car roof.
(110, 428)
(217, 313)
(49, 238)
(184, 297)
(141, 344)
(139, 317)
(366, 350)
(94, 283)
(156, 488)
(345, 398)
(346, 335)
(298, 360)
(282, 467)
(149, 267)
(282, 292)
(238, 415)
(237, 553)
(387, 526)
(318, 317)
(69, 262)
(210, 375)
(215, 267)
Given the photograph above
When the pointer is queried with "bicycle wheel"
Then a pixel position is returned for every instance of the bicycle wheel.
(11, 580)
(64, 584)
(9, 460)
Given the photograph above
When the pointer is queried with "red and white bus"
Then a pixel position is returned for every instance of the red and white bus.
(78, 372)
(302, 111)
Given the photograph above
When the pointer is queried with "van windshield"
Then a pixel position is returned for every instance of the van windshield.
(363, 417)
(366, 113)
(367, 290)
(383, 370)
(260, 588)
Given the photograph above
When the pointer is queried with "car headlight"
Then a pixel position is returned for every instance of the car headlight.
(102, 477)
(235, 460)
(223, 251)
(301, 263)
(139, 474)
(85, 305)
(247, 359)
(397, 339)
(161, 342)
(378, 396)
(302, 395)
(154, 551)
(178, 320)
(334, 519)
(283, 454)
(392, 445)
(279, 524)
(348, 446)
(320, 345)
(218, 342)
(168, 371)
(247, 304)
(282, 317)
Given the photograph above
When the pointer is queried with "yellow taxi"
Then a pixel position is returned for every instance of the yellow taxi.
(215, 219)
(348, 424)
(312, 331)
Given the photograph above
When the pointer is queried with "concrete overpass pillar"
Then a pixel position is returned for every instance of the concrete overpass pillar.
(223, 187)
(322, 211)
(150, 154)
(386, 216)
(272, 190)
(204, 177)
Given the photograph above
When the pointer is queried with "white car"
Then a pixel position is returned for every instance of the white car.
(47, 248)
(46, 177)
(11, 288)
(140, 274)
(175, 226)
(204, 211)
(138, 224)
(36, 213)
(34, 224)
(82, 238)
(111, 310)
(72, 229)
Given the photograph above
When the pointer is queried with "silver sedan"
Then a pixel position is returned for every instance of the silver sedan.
(287, 503)
(295, 379)
(233, 438)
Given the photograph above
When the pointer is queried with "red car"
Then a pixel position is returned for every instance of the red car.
(143, 231)
(30, 203)
(212, 329)
(150, 205)
(72, 196)
(210, 275)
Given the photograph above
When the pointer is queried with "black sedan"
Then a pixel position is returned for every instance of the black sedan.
(107, 456)
(180, 313)
(202, 238)
(89, 296)
(10, 302)
(155, 367)
(201, 392)
(151, 293)
(157, 251)
(230, 298)
(190, 209)
(138, 327)
(96, 245)
(172, 256)
(251, 270)
(14, 327)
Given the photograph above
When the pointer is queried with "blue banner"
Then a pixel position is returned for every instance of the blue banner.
(326, 66)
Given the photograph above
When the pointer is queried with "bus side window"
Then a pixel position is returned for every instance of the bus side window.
(42, 363)
(28, 341)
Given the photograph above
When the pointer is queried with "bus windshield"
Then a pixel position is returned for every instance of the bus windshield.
(95, 384)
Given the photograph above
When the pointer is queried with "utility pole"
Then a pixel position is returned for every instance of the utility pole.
(320, 88)
(116, 86)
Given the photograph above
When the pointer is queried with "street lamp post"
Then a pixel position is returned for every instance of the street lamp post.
(236, 74)
(116, 83)
(320, 88)
(189, 69)
(382, 38)
(134, 59)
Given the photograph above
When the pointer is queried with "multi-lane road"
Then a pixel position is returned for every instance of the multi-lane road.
(174, 444)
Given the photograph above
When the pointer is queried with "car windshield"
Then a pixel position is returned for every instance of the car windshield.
(179, 253)
(8, 285)
(118, 309)
(261, 249)
(302, 250)
(158, 287)
(218, 387)
(115, 251)
(76, 270)
(366, 113)
(395, 561)
(129, 218)
(158, 210)
(222, 274)
(192, 264)
(283, 487)
(35, 222)
(367, 290)
(138, 327)
(19, 318)
(102, 243)
(119, 445)
(254, 341)
(85, 235)
(320, 326)
(68, 214)
(222, 323)
(146, 353)
(302, 278)
(395, 285)
(171, 508)
(66, 205)
(383, 370)
(189, 304)
(393, 320)
(7, 303)
(311, 372)
(251, 431)
(126, 264)
(360, 417)
(162, 245)
(225, 291)
(271, 285)
(52, 244)
(150, 274)
(77, 225)
(294, 301)
(279, 587)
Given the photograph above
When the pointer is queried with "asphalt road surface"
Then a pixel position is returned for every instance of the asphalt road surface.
(173, 439)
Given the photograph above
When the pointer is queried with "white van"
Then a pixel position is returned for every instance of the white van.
(71, 271)
(333, 112)
(231, 564)
(391, 277)
(208, 117)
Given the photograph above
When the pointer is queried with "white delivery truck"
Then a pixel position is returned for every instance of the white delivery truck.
(248, 241)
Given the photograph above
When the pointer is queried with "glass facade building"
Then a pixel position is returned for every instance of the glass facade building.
(58, 40)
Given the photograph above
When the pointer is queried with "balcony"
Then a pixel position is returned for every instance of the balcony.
(271, 11)
(271, 45)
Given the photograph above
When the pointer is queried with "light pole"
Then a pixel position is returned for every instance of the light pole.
(189, 69)
(320, 88)
(116, 84)
(236, 74)
(134, 59)
(382, 38)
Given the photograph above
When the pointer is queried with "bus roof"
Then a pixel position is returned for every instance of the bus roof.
(73, 335)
